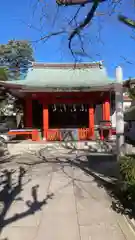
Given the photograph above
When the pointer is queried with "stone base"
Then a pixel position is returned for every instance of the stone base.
(91, 146)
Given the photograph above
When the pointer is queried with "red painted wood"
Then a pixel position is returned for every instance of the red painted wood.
(28, 113)
(106, 111)
(83, 134)
(33, 133)
(103, 111)
(45, 119)
(53, 135)
(91, 122)
(70, 97)
(67, 98)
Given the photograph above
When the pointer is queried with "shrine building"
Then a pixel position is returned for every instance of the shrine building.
(65, 96)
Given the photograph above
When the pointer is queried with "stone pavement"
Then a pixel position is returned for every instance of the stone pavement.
(58, 201)
(93, 146)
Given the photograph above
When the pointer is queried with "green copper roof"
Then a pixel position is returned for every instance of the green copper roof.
(65, 76)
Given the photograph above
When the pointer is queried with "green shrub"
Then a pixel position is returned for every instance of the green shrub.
(127, 173)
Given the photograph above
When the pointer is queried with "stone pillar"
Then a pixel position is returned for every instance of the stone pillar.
(119, 111)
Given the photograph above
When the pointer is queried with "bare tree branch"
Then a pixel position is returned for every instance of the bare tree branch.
(76, 14)
(46, 37)
(72, 2)
(127, 21)
(84, 23)
(70, 22)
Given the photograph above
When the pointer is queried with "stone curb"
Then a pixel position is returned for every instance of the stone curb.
(130, 223)
(127, 226)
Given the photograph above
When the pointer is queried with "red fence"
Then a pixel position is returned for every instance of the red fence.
(83, 133)
(80, 134)
(55, 134)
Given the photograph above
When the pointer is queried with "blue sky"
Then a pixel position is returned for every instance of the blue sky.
(106, 39)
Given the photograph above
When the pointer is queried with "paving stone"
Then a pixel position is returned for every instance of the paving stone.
(69, 201)
(16, 233)
(62, 202)
(20, 215)
(101, 231)
(59, 227)
(59, 182)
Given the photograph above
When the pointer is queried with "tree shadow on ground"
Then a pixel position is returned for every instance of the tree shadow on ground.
(100, 167)
(10, 192)
(104, 164)
(6, 159)
(104, 169)
(103, 146)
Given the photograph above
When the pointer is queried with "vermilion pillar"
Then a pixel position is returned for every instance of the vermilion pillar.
(106, 110)
(28, 113)
(91, 122)
(45, 120)
(106, 117)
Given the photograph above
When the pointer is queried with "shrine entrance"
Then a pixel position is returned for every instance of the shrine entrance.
(68, 116)
(37, 114)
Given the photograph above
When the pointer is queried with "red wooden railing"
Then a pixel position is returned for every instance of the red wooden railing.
(53, 135)
(83, 133)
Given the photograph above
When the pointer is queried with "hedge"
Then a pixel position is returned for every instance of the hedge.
(127, 175)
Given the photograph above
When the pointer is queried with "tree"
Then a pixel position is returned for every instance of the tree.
(3, 74)
(127, 21)
(3, 94)
(5, 97)
(72, 2)
(73, 20)
(15, 59)
(131, 23)
(16, 56)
